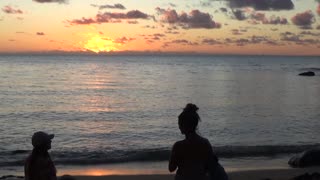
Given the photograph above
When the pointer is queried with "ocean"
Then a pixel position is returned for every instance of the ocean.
(117, 109)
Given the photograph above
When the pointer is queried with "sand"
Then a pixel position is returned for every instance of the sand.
(271, 174)
(275, 174)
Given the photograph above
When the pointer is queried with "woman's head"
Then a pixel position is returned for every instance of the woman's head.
(188, 119)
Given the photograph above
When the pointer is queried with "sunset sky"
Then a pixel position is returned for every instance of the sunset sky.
(286, 27)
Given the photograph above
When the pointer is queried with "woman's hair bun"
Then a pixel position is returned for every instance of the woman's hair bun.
(191, 108)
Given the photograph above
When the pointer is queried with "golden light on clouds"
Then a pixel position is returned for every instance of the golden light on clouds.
(100, 44)
(186, 26)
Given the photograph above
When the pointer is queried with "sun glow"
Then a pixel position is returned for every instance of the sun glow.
(98, 44)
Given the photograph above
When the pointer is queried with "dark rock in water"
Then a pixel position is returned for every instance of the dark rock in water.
(308, 73)
(306, 158)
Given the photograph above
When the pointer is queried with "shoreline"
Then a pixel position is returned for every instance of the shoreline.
(271, 174)
(157, 167)
(253, 174)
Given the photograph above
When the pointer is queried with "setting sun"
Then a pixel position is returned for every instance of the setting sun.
(98, 44)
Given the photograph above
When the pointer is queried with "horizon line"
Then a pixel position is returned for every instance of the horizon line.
(186, 53)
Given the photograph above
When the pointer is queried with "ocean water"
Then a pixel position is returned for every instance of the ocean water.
(114, 109)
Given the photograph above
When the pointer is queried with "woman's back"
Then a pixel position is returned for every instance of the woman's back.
(192, 157)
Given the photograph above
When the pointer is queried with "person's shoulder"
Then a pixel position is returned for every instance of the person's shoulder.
(179, 144)
(204, 141)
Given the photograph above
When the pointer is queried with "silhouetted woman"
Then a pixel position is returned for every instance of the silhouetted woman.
(193, 156)
(39, 165)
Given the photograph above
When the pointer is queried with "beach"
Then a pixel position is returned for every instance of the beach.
(119, 90)
(273, 174)
(107, 111)
(270, 174)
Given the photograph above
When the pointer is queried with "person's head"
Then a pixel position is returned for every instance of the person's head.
(188, 119)
(42, 140)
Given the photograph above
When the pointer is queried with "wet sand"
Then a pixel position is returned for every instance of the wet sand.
(274, 174)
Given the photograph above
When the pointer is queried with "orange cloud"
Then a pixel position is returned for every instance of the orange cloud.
(123, 40)
(111, 17)
(40, 33)
(10, 10)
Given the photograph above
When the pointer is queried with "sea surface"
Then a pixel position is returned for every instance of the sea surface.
(116, 109)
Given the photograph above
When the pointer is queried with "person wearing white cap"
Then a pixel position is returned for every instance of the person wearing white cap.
(39, 165)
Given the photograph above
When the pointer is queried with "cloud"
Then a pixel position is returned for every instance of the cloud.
(40, 33)
(262, 4)
(298, 38)
(184, 42)
(240, 14)
(309, 33)
(159, 35)
(150, 27)
(11, 10)
(222, 9)
(195, 19)
(115, 6)
(275, 20)
(304, 19)
(123, 40)
(172, 5)
(236, 32)
(132, 22)
(108, 16)
(51, 1)
(258, 17)
(154, 37)
(205, 4)
(210, 41)
(83, 21)
(135, 14)
(172, 32)
(251, 40)
(112, 17)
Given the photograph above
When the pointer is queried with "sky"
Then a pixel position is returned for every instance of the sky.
(258, 27)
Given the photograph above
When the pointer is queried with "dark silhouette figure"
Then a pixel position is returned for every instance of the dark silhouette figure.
(39, 165)
(194, 156)
(307, 158)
